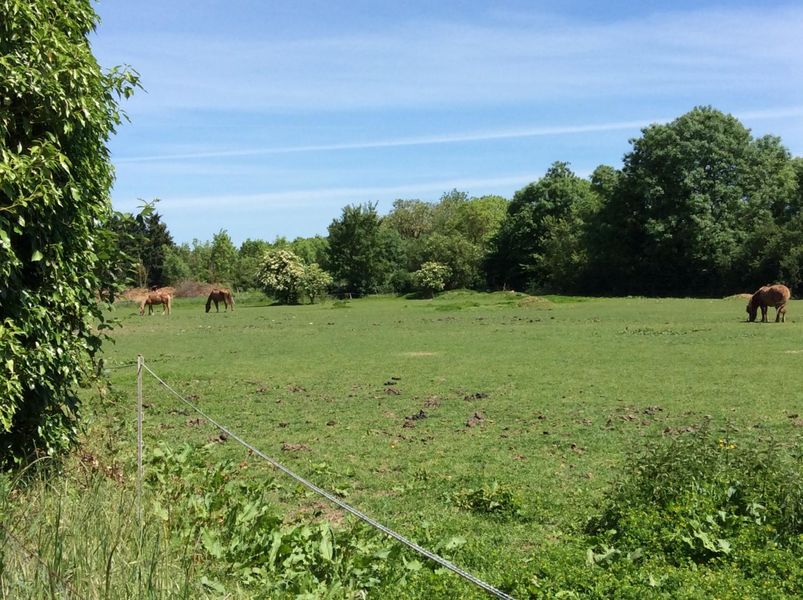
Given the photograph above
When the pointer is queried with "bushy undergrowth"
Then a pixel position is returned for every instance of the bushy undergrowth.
(706, 504)
(208, 531)
(245, 543)
(693, 516)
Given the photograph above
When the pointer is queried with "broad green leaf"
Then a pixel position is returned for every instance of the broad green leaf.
(212, 543)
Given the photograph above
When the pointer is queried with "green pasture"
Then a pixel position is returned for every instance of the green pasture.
(403, 406)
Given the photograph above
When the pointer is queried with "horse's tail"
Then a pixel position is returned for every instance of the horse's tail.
(209, 302)
(231, 299)
(169, 303)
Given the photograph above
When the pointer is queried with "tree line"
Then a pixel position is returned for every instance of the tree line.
(699, 207)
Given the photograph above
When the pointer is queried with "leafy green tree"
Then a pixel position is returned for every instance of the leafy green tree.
(144, 238)
(362, 255)
(479, 219)
(431, 277)
(199, 259)
(249, 257)
(412, 219)
(57, 112)
(281, 274)
(156, 239)
(312, 249)
(774, 253)
(456, 231)
(690, 193)
(176, 264)
(460, 255)
(796, 204)
(538, 220)
(445, 211)
(463, 238)
(222, 258)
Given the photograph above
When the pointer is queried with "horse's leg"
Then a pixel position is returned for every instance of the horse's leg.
(764, 313)
(780, 315)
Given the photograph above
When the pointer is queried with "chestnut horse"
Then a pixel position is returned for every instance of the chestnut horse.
(766, 296)
(220, 295)
(163, 298)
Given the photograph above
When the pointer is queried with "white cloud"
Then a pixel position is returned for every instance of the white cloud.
(424, 64)
(332, 197)
(451, 138)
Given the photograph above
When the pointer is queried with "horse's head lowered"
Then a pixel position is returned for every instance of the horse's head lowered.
(752, 309)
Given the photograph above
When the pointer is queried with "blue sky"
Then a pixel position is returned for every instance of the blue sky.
(266, 117)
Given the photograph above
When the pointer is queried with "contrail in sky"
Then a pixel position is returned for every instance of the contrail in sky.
(477, 136)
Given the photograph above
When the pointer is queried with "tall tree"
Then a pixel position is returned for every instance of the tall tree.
(413, 219)
(311, 249)
(145, 239)
(690, 193)
(249, 256)
(544, 221)
(222, 258)
(362, 254)
(57, 112)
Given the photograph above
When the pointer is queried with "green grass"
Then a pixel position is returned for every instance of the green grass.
(559, 394)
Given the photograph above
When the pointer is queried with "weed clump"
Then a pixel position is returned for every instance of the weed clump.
(708, 503)
(243, 541)
(493, 499)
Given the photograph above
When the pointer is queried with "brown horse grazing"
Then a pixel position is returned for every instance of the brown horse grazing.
(220, 295)
(163, 298)
(766, 296)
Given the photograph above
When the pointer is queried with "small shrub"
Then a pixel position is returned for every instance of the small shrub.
(431, 277)
(492, 499)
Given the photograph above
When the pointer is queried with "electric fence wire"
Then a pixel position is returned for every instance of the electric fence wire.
(335, 500)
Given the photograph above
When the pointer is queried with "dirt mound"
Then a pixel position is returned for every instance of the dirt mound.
(134, 294)
(183, 289)
(738, 297)
(533, 301)
(194, 289)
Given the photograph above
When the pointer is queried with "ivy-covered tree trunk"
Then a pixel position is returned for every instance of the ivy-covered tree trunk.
(57, 111)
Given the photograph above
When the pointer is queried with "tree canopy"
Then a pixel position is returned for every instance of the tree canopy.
(57, 112)
(699, 206)
(691, 194)
(362, 254)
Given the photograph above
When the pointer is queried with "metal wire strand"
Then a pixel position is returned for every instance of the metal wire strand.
(335, 500)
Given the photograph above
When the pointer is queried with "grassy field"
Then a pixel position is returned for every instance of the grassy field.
(410, 407)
